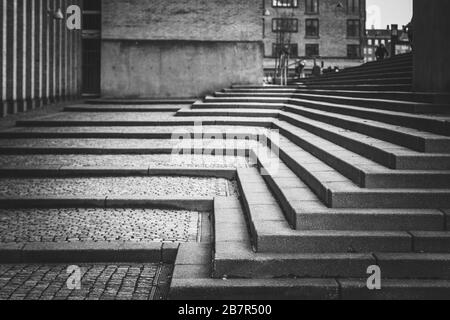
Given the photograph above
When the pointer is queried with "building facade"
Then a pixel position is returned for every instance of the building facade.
(179, 48)
(330, 30)
(40, 60)
(396, 42)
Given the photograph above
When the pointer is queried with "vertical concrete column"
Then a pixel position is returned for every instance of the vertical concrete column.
(431, 46)
(13, 106)
(64, 54)
(70, 63)
(3, 24)
(60, 52)
(39, 88)
(21, 55)
(46, 72)
(31, 53)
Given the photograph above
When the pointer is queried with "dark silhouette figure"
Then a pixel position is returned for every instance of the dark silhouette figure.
(381, 53)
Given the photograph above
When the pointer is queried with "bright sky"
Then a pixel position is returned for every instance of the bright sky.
(383, 12)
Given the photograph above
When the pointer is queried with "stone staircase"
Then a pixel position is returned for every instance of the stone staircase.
(347, 176)
(362, 179)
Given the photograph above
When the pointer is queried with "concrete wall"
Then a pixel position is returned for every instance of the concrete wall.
(177, 68)
(332, 39)
(40, 58)
(179, 48)
(431, 45)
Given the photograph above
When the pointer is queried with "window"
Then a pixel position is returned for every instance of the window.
(312, 50)
(353, 51)
(377, 42)
(292, 49)
(353, 28)
(369, 42)
(312, 28)
(284, 25)
(353, 6)
(312, 6)
(383, 41)
(285, 3)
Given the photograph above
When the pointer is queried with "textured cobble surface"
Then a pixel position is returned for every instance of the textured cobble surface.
(139, 129)
(97, 225)
(125, 186)
(109, 116)
(136, 161)
(98, 282)
(176, 145)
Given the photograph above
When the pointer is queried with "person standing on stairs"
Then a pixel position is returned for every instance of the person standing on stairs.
(381, 53)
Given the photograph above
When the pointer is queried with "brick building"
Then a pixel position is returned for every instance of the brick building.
(161, 48)
(330, 30)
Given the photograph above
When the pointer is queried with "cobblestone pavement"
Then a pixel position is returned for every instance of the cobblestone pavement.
(140, 129)
(98, 225)
(98, 282)
(175, 144)
(109, 116)
(141, 161)
(123, 186)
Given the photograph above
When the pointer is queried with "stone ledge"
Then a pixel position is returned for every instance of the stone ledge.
(201, 204)
(87, 252)
(67, 171)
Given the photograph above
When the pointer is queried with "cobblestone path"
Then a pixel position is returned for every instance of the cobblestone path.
(141, 161)
(68, 227)
(123, 186)
(98, 282)
(98, 225)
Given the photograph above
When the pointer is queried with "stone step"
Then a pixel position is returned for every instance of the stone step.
(377, 149)
(192, 281)
(435, 124)
(408, 65)
(139, 101)
(305, 289)
(337, 191)
(87, 252)
(271, 232)
(383, 64)
(237, 260)
(369, 80)
(201, 204)
(404, 136)
(180, 122)
(439, 125)
(369, 103)
(249, 289)
(360, 87)
(353, 289)
(399, 72)
(121, 108)
(304, 210)
(360, 170)
(438, 98)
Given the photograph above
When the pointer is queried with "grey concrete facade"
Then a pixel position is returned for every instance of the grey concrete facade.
(431, 46)
(40, 58)
(178, 48)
